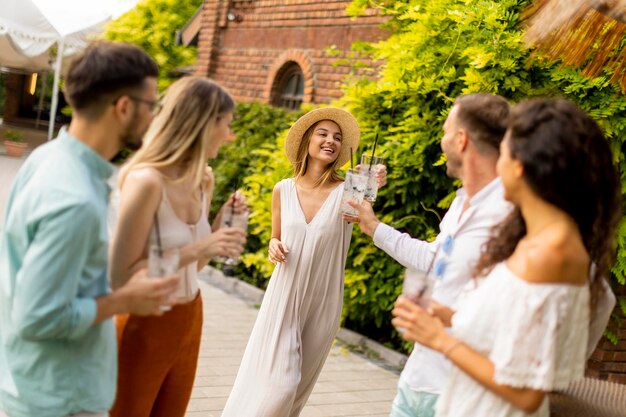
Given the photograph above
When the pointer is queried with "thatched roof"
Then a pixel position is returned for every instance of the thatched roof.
(583, 33)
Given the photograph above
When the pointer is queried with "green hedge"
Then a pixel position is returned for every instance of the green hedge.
(437, 51)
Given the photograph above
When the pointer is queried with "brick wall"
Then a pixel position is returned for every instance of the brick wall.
(609, 360)
(246, 54)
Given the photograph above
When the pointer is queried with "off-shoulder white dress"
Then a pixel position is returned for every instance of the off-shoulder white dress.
(535, 335)
(300, 313)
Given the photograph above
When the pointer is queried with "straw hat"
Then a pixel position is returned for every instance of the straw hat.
(350, 133)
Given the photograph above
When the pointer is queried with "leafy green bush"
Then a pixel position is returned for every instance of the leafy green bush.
(14, 136)
(152, 25)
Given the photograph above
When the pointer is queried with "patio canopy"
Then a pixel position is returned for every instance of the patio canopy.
(38, 34)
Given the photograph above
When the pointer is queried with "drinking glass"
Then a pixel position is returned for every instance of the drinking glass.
(369, 165)
(353, 189)
(163, 263)
(417, 287)
(230, 218)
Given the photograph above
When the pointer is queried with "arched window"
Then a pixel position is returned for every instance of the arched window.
(289, 87)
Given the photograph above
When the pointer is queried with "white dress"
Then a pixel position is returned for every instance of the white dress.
(535, 335)
(299, 316)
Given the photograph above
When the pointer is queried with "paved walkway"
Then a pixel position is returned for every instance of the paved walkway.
(349, 385)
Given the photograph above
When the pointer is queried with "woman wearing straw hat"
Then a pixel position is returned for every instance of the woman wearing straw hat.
(300, 313)
(165, 196)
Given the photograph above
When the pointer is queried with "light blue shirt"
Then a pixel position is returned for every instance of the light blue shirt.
(53, 264)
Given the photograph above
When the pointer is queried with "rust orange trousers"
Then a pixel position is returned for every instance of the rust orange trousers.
(157, 361)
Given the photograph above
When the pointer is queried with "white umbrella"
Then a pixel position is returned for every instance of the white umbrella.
(30, 28)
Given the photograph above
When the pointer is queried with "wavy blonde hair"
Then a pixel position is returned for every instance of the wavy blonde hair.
(301, 164)
(189, 111)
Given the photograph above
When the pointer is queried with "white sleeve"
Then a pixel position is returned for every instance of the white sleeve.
(411, 253)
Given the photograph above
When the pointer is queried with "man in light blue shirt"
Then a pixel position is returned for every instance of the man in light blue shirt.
(57, 342)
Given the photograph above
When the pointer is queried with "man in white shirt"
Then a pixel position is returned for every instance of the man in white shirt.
(472, 134)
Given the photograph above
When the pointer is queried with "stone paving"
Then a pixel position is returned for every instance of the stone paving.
(349, 385)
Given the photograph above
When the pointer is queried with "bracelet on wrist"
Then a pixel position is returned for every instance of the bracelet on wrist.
(450, 348)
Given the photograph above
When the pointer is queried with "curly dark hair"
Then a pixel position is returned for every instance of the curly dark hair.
(567, 162)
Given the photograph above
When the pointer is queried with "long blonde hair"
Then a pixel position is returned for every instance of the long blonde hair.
(302, 160)
(189, 111)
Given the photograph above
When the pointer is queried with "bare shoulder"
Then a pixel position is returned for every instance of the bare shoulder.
(149, 180)
(276, 190)
(561, 258)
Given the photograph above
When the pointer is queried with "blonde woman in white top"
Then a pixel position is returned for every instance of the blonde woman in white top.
(524, 331)
(167, 183)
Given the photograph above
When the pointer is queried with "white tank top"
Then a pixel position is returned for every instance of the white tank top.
(175, 233)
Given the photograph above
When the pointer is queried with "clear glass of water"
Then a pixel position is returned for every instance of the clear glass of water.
(163, 263)
(369, 165)
(230, 218)
(417, 287)
(353, 189)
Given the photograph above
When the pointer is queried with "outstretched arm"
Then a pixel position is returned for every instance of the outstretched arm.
(410, 252)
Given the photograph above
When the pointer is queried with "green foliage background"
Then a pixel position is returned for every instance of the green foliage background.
(152, 25)
(437, 51)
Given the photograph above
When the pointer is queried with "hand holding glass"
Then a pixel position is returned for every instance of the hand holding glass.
(163, 263)
(417, 287)
(232, 218)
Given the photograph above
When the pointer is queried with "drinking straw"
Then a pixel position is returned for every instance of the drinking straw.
(232, 204)
(369, 169)
(351, 158)
(157, 229)
(375, 142)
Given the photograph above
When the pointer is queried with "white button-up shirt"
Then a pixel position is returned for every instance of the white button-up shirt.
(453, 255)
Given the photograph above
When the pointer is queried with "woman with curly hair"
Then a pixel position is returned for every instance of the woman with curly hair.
(524, 331)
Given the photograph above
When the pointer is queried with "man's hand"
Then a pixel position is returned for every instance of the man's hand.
(366, 219)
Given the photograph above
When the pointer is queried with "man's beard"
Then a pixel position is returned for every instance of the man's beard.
(131, 139)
